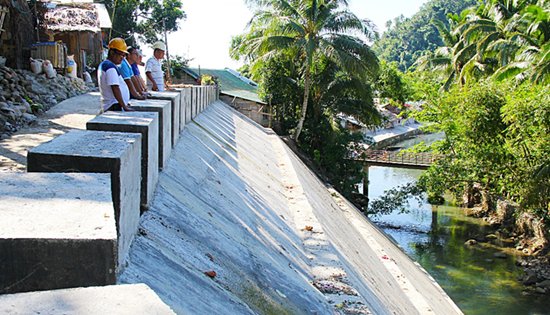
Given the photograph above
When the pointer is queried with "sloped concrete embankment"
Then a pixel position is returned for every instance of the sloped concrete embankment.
(239, 225)
(58, 229)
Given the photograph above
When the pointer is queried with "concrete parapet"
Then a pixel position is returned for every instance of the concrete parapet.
(188, 111)
(173, 97)
(128, 299)
(194, 102)
(185, 97)
(57, 231)
(99, 152)
(164, 110)
(148, 126)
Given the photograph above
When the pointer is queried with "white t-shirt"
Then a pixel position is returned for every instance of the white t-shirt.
(154, 66)
(108, 75)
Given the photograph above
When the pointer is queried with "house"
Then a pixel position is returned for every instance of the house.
(16, 33)
(80, 25)
(239, 92)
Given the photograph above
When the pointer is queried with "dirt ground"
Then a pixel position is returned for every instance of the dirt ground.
(70, 114)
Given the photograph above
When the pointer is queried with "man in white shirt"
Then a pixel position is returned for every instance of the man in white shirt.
(153, 68)
(115, 95)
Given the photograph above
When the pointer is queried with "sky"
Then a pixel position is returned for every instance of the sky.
(205, 35)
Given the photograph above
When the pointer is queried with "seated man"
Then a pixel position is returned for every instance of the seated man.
(153, 68)
(115, 95)
(127, 74)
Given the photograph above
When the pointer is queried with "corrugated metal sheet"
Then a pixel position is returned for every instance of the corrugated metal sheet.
(230, 84)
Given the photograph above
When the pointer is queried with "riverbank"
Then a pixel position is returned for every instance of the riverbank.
(389, 136)
(482, 278)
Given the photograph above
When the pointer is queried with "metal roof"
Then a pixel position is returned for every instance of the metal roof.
(231, 83)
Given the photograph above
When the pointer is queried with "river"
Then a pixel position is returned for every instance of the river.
(434, 236)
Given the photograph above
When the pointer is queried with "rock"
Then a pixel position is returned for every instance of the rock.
(540, 290)
(470, 242)
(544, 284)
(28, 118)
(530, 279)
(500, 255)
(22, 87)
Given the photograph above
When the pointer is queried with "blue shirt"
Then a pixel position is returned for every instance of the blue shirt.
(135, 69)
(125, 69)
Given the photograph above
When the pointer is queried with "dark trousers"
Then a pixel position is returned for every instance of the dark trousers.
(115, 108)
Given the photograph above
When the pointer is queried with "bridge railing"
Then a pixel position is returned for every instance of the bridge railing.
(398, 157)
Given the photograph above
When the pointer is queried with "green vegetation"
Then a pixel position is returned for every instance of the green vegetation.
(148, 19)
(406, 39)
(178, 64)
(487, 89)
(309, 31)
(310, 66)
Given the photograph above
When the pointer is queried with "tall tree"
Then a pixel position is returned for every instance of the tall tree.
(147, 19)
(308, 28)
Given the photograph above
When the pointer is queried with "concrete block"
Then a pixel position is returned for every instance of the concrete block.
(56, 231)
(127, 299)
(185, 117)
(119, 154)
(146, 124)
(194, 102)
(164, 110)
(173, 97)
(203, 98)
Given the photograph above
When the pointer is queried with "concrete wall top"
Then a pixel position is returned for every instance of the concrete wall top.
(56, 206)
(152, 102)
(117, 299)
(97, 144)
(165, 95)
(142, 119)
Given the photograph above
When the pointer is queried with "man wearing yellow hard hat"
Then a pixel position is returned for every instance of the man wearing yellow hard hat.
(153, 68)
(115, 95)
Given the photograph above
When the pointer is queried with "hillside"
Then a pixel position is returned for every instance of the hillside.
(407, 38)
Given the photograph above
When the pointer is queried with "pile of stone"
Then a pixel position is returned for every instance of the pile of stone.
(537, 273)
(24, 94)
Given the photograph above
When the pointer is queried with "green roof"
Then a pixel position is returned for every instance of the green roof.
(230, 84)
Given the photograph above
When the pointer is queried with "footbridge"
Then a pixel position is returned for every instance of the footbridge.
(420, 160)
(126, 213)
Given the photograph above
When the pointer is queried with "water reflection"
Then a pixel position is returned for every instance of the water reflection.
(434, 236)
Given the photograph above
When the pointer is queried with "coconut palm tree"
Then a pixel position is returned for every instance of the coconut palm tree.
(309, 28)
(532, 59)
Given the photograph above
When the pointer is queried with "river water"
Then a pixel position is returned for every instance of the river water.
(434, 236)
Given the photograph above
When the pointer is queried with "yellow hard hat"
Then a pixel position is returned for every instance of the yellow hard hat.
(118, 44)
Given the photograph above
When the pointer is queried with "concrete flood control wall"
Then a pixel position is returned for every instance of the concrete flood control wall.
(145, 124)
(239, 225)
(97, 164)
(56, 231)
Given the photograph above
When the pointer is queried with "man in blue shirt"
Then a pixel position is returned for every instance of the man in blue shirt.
(133, 59)
(127, 74)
